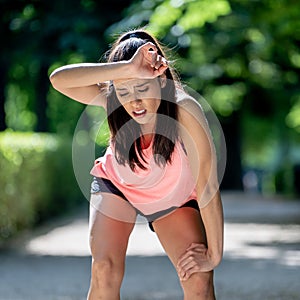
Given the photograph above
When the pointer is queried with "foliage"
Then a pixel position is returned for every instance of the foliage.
(36, 180)
(39, 36)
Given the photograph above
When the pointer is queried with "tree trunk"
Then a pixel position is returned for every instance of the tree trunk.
(232, 179)
(42, 88)
(3, 73)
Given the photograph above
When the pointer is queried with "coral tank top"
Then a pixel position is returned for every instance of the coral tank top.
(154, 189)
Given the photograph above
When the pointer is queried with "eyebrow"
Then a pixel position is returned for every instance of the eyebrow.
(137, 86)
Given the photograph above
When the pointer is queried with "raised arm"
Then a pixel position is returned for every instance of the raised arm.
(88, 82)
(202, 157)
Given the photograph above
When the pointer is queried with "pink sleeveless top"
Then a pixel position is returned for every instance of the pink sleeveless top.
(155, 188)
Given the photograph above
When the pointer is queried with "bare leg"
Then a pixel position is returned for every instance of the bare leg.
(109, 234)
(176, 232)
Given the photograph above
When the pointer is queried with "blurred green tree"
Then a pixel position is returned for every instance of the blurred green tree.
(37, 37)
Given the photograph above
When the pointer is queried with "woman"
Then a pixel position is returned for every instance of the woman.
(160, 163)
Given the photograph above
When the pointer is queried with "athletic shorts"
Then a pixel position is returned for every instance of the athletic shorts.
(102, 185)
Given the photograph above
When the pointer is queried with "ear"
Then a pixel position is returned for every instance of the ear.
(163, 80)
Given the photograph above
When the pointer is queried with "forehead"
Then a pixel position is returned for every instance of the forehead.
(131, 83)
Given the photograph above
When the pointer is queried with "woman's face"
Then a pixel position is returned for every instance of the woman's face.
(140, 98)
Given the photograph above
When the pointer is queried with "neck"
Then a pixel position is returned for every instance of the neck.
(147, 139)
(148, 131)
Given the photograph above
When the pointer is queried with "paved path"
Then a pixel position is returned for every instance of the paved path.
(261, 259)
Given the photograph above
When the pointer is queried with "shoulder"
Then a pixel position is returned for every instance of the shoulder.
(194, 129)
(189, 109)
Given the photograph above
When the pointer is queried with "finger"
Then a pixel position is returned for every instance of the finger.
(197, 246)
(184, 275)
(160, 71)
(153, 58)
(161, 62)
(158, 62)
(199, 250)
(191, 256)
(190, 268)
(193, 245)
(182, 259)
(149, 51)
(185, 266)
(190, 252)
(165, 62)
(190, 272)
(181, 265)
(188, 265)
(149, 47)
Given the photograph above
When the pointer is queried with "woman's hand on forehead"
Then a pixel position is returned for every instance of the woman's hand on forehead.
(147, 63)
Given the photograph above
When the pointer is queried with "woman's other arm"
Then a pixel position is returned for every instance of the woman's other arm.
(202, 158)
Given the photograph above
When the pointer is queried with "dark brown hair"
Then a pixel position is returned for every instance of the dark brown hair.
(125, 132)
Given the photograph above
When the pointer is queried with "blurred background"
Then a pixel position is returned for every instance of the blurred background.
(243, 57)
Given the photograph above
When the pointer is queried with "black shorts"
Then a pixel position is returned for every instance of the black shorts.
(106, 186)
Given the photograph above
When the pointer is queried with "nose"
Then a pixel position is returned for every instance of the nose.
(136, 102)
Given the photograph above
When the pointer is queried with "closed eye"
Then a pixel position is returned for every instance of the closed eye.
(144, 89)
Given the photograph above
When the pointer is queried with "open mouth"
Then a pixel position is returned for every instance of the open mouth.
(139, 113)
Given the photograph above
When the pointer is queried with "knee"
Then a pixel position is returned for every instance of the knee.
(106, 273)
(199, 286)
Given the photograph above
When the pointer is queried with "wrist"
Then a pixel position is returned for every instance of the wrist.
(130, 70)
(123, 70)
(215, 256)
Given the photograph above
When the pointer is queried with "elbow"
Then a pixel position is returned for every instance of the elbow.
(58, 79)
(54, 79)
(217, 257)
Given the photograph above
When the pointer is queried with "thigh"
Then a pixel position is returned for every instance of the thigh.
(178, 230)
(111, 222)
